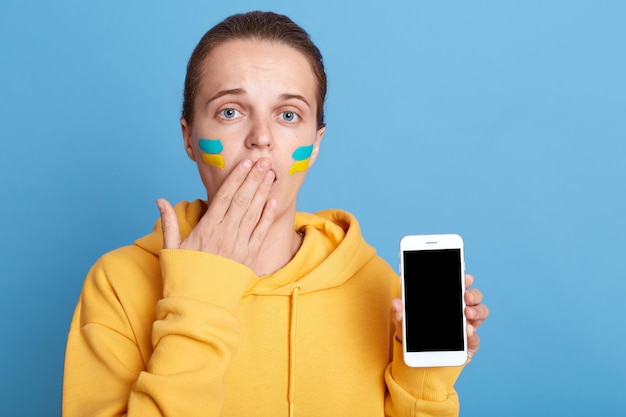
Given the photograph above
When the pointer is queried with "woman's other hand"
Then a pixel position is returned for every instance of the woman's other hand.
(475, 312)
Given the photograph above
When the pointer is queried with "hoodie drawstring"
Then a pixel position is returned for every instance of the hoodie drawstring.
(292, 348)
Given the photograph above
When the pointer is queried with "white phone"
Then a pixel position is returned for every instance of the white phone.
(434, 330)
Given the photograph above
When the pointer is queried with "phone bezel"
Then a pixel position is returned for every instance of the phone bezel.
(433, 242)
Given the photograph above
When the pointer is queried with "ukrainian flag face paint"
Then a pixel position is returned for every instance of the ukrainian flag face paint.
(302, 156)
(211, 148)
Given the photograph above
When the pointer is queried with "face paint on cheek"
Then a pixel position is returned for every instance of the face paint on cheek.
(302, 156)
(210, 148)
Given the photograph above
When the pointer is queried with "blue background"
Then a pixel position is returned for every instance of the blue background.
(504, 121)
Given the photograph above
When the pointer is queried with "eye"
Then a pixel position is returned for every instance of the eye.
(289, 116)
(229, 113)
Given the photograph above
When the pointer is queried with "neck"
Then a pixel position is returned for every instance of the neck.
(280, 246)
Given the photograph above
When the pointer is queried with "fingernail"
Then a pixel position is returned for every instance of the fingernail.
(246, 164)
(264, 164)
(160, 206)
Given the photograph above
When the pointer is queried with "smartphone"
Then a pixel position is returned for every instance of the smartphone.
(432, 270)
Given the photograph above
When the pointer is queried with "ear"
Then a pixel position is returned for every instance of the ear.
(186, 130)
(316, 145)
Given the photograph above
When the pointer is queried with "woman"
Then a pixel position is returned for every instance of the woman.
(240, 305)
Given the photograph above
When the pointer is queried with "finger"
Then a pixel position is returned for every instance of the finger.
(244, 195)
(396, 316)
(263, 226)
(473, 297)
(473, 341)
(259, 215)
(477, 314)
(169, 225)
(221, 201)
(469, 280)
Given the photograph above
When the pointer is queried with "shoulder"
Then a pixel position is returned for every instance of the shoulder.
(125, 262)
(380, 269)
(124, 276)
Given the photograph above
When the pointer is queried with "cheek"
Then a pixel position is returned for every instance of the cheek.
(302, 157)
(210, 150)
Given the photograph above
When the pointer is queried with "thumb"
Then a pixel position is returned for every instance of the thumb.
(396, 316)
(169, 224)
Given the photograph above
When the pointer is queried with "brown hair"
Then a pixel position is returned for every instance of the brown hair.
(257, 25)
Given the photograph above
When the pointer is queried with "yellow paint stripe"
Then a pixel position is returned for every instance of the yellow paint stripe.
(215, 160)
(299, 166)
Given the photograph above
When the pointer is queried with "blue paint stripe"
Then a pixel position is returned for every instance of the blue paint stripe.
(211, 146)
(302, 153)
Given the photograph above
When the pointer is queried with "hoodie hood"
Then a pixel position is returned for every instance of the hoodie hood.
(332, 251)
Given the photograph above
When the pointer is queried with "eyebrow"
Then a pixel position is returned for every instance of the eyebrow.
(240, 91)
(222, 93)
(287, 96)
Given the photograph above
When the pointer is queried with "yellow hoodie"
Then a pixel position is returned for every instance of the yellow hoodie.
(183, 333)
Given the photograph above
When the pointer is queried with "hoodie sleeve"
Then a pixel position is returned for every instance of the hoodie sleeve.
(419, 392)
(194, 335)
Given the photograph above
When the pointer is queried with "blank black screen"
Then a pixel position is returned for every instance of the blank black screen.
(433, 300)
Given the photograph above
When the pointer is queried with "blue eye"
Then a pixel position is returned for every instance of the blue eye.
(289, 116)
(229, 113)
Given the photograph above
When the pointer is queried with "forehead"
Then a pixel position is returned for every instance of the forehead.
(241, 63)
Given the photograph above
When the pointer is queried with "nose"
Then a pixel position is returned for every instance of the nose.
(260, 134)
